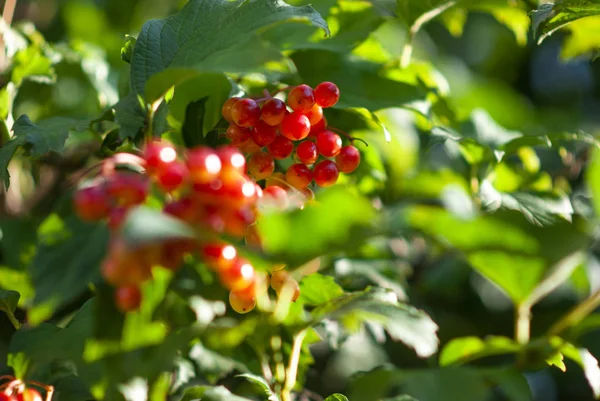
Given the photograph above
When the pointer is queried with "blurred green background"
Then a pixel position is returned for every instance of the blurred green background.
(483, 66)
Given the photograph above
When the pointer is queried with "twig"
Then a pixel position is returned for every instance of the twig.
(347, 135)
(576, 315)
(292, 370)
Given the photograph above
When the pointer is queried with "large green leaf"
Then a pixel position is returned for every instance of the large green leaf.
(206, 393)
(316, 289)
(380, 307)
(550, 17)
(42, 137)
(215, 35)
(336, 397)
(339, 220)
(465, 349)
(66, 262)
(8, 303)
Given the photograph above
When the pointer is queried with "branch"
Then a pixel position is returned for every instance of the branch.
(292, 370)
(576, 315)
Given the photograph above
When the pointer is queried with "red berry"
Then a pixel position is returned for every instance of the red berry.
(127, 189)
(278, 279)
(173, 252)
(218, 255)
(307, 152)
(318, 127)
(29, 394)
(116, 217)
(226, 109)
(158, 155)
(327, 94)
(172, 176)
(235, 133)
(236, 221)
(326, 173)
(232, 160)
(91, 203)
(301, 98)
(248, 147)
(273, 111)
(185, 209)
(274, 196)
(261, 165)
(298, 175)
(295, 126)
(348, 159)
(263, 134)
(329, 143)
(203, 164)
(128, 298)
(245, 113)
(277, 179)
(238, 276)
(241, 302)
(315, 114)
(280, 148)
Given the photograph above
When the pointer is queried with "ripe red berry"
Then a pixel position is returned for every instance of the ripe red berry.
(218, 255)
(261, 165)
(128, 298)
(295, 126)
(277, 179)
(318, 127)
(237, 134)
(274, 196)
(263, 134)
(280, 148)
(29, 394)
(172, 176)
(329, 143)
(245, 113)
(298, 176)
(237, 220)
(241, 302)
(91, 203)
(116, 217)
(301, 98)
(185, 209)
(326, 173)
(158, 155)
(315, 114)
(203, 164)
(232, 160)
(307, 152)
(238, 276)
(127, 189)
(327, 94)
(226, 109)
(273, 112)
(348, 159)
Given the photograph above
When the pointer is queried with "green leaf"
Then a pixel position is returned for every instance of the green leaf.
(584, 38)
(213, 365)
(361, 83)
(339, 220)
(585, 360)
(66, 262)
(46, 136)
(127, 49)
(9, 300)
(206, 393)
(190, 38)
(465, 349)
(262, 383)
(144, 225)
(511, 382)
(316, 289)
(33, 64)
(549, 17)
(592, 177)
(380, 307)
(336, 397)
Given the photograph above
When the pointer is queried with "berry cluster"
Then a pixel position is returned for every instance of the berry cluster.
(215, 190)
(18, 390)
(267, 130)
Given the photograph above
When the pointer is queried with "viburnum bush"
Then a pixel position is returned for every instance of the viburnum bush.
(253, 200)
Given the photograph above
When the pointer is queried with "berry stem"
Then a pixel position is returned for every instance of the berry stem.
(292, 369)
(350, 137)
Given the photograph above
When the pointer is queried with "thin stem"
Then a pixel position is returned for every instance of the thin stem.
(292, 370)
(14, 321)
(576, 315)
(9, 11)
(523, 324)
(351, 138)
(416, 26)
